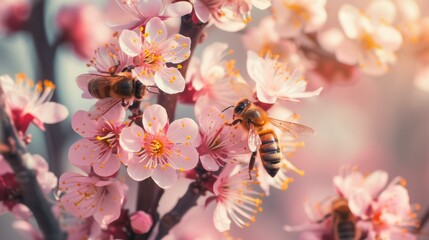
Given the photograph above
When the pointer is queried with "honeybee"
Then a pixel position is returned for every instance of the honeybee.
(261, 136)
(117, 88)
(344, 222)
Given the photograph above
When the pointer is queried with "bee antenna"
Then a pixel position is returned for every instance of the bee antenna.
(227, 108)
(128, 68)
(147, 89)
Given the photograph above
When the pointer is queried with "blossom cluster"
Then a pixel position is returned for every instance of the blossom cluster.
(378, 210)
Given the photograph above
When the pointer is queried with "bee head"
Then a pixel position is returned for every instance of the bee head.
(139, 90)
(241, 105)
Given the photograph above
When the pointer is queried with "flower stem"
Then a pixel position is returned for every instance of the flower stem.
(149, 192)
(31, 193)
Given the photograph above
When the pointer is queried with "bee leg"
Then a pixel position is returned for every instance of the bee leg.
(252, 164)
(235, 122)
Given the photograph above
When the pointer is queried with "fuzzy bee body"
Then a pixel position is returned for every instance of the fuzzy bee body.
(344, 221)
(262, 137)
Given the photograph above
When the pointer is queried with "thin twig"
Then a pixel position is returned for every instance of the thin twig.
(31, 193)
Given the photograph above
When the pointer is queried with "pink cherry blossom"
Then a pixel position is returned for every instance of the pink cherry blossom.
(143, 10)
(212, 11)
(371, 42)
(236, 200)
(82, 228)
(100, 148)
(77, 24)
(141, 222)
(26, 230)
(85, 196)
(243, 7)
(13, 15)
(30, 103)
(220, 143)
(161, 148)
(275, 80)
(294, 17)
(152, 50)
(348, 182)
(216, 81)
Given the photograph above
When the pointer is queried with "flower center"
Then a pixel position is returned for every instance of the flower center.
(299, 11)
(109, 139)
(369, 43)
(156, 147)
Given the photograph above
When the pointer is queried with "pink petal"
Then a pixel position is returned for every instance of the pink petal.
(360, 203)
(317, 20)
(141, 74)
(255, 67)
(375, 182)
(330, 39)
(212, 55)
(110, 207)
(349, 17)
(154, 118)
(221, 219)
(164, 176)
(50, 112)
(107, 167)
(348, 52)
(388, 37)
(177, 49)
(130, 43)
(138, 170)
(82, 82)
(131, 138)
(156, 30)
(83, 125)
(85, 153)
(183, 157)
(261, 4)
(178, 9)
(263, 95)
(209, 163)
(382, 10)
(123, 155)
(395, 200)
(202, 12)
(150, 8)
(170, 80)
(231, 25)
(183, 130)
(115, 115)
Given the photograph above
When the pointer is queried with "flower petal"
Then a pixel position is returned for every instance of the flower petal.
(164, 176)
(183, 157)
(170, 80)
(360, 203)
(221, 219)
(348, 52)
(349, 17)
(138, 170)
(202, 12)
(50, 112)
(177, 49)
(178, 9)
(255, 67)
(130, 43)
(209, 163)
(156, 31)
(155, 118)
(182, 130)
(110, 208)
(382, 10)
(83, 125)
(130, 138)
(150, 8)
(107, 167)
(375, 182)
(86, 153)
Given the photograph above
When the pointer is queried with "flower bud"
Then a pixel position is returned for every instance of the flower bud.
(141, 222)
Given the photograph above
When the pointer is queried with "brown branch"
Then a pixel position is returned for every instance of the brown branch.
(31, 193)
(149, 192)
(184, 204)
(45, 53)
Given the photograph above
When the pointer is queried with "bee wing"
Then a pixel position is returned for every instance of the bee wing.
(102, 106)
(293, 128)
(254, 141)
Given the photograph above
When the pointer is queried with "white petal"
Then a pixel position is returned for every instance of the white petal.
(382, 10)
(348, 52)
(164, 176)
(221, 219)
(138, 170)
(349, 17)
(170, 80)
(130, 43)
(156, 30)
(178, 9)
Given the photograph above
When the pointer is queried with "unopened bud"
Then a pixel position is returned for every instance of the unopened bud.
(141, 222)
